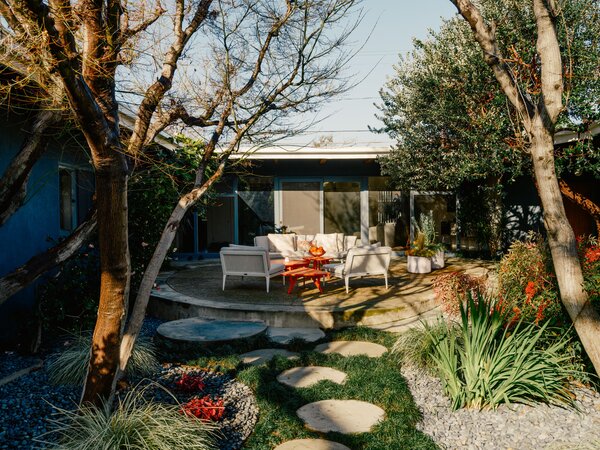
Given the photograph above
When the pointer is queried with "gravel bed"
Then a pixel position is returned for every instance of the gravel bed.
(11, 362)
(27, 403)
(509, 427)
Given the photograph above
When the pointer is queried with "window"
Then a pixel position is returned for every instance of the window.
(76, 191)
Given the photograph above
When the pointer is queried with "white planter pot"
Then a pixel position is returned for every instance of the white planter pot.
(437, 260)
(418, 264)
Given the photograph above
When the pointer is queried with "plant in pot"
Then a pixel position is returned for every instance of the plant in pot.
(419, 255)
(427, 227)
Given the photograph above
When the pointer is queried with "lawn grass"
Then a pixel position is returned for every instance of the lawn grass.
(375, 380)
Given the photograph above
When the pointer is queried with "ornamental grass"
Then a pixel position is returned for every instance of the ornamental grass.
(134, 423)
(71, 364)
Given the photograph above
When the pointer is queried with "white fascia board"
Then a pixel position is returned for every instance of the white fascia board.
(284, 152)
(566, 136)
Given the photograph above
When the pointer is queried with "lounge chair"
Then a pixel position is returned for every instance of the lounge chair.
(361, 262)
(248, 262)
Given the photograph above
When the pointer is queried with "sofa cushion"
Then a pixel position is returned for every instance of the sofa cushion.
(283, 243)
(329, 242)
(349, 242)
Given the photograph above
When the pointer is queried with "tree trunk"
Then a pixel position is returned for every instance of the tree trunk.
(111, 198)
(13, 185)
(13, 282)
(563, 246)
(584, 203)
(143, 295)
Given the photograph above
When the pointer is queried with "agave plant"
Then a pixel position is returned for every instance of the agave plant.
(488, 365)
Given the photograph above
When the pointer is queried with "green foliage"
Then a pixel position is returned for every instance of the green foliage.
(424, 243)
(527, 284)
(69, 300)
(415, 346)
(489, 365)
(70, 365)
(154, 189)
(135, 423)
(449, 117)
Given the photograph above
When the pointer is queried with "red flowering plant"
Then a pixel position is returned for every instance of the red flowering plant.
(205, 408)
(589, 255)
(527, 285)
(450, 290)
(190, 382)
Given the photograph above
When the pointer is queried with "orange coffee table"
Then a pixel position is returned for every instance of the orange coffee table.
(318, 261)
(296, 264)
(305, 272)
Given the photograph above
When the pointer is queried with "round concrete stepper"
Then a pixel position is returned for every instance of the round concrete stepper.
(258, 357)
(311, 444)
(300, 377)
(285, 335)
(205, 331)
(341, 416)
(352, 348)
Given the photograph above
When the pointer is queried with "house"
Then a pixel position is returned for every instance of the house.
(310, 190)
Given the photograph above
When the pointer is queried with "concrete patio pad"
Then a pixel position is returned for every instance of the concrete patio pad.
(352, 348)
(209, 331)
(197, 292)
(301, 377)
(341, 416)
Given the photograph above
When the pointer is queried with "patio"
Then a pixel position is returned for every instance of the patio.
(196, 291)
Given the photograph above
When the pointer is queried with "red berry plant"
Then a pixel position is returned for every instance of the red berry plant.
(205, 408)
(527, 287)
(190, 382)
(589, 255)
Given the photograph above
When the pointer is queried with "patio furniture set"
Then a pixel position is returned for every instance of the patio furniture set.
(287, 255)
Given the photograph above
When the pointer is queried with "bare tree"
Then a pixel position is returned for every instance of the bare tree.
(538, 116)
(254, 63)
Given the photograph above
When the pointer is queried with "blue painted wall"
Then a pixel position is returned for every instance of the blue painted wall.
(36, 225)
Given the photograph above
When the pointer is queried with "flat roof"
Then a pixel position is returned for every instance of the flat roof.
(308, 152)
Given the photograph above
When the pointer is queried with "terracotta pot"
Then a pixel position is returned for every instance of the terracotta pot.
(418, 264)
(437, 260)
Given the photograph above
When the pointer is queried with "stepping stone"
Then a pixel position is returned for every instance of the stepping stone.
(285, 335)
(300, 377)
(341, 416)
(209, 331)
(352, 348)
(311, 444)
(258, 357)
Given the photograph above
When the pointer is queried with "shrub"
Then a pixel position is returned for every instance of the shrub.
(527, 285)
(70, 365)
(415, 345)
(589, 255)
(488, 364)
(135, 423)
(451, 290)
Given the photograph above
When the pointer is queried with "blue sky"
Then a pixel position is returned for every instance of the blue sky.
(394, 24)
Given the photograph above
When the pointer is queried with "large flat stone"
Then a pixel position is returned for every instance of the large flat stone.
(300, 377)
(258, 357)
(341, 416)
(311, 444)
(209, 331)
(352, 348)
(285, 335)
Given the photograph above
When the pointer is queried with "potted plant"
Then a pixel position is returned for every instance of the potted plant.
(419, 255)
(427, 227)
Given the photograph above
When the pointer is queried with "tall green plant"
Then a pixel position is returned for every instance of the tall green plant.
(489, 365)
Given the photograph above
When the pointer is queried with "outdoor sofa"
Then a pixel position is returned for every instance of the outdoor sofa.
(295, 246)
(248, 261)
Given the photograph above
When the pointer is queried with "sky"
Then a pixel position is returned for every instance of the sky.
(393, 24)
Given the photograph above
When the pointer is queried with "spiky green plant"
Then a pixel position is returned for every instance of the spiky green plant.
(488, 364)
(415, 346)
(135, 423)
(70, 365)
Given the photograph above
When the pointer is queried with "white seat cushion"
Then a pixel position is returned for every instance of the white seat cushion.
(336, 269)
(329, 242)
